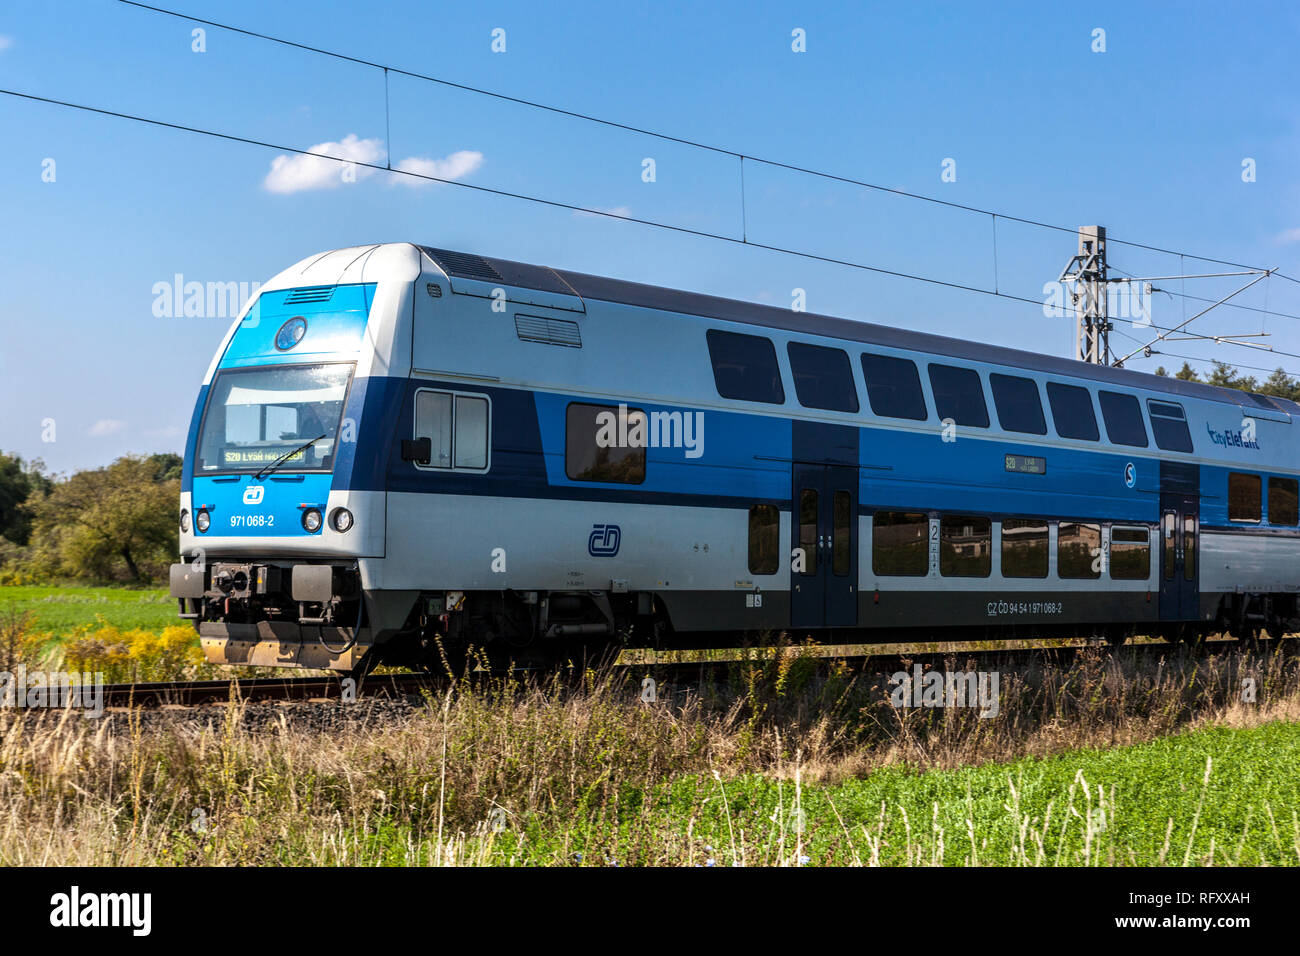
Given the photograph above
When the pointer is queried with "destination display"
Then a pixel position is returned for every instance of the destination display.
(1027, 464)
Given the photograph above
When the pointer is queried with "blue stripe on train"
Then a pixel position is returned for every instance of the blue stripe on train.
(746, 459)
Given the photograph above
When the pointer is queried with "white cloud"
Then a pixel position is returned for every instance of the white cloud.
(326, 166)
(312, 170)
(456, 166)
(5, 42)
(622, 212)
(1290, 235)
(170, 431)
(106, 426)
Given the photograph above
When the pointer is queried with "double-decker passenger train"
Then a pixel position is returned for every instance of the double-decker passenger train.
(399, 452)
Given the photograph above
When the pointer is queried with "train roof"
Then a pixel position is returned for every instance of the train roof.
(561, 281)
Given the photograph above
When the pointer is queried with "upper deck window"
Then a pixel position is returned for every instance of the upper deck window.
(1072, 411)
(893, 387)
(1123, 417)
(1169, 426)
(958, 395)
(744, 367)
(823, 377)
(1019, 407)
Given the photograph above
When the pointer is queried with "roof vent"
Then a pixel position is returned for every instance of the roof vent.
(316, 293)
(465, 265)
(535, 328)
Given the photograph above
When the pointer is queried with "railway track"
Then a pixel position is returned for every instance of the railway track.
(194, 693)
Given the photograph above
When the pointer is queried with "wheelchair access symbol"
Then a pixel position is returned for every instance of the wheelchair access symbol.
(604, 540)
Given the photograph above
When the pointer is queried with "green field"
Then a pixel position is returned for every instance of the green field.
(62, 610)
(1145, 805)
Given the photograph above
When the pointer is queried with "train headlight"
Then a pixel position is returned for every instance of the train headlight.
(341, 519)
(185, 520)
(201, 521)
(311, 520)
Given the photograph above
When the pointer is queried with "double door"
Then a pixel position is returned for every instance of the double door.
(824, 550)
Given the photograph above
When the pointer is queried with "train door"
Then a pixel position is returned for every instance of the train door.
(1179, 557)
(824, 564)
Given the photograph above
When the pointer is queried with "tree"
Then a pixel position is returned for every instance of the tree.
(1281, 384)
(1187, 373)
(1225, 376)
(167, 464)
(18, 483)
(109, 522)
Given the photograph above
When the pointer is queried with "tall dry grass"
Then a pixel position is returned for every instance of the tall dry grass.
(563, 761)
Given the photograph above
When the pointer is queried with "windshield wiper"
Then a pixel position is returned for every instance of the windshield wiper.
(285, 457)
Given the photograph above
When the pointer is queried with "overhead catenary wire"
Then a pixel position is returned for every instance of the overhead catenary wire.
(667, 137)
(508, 194)
(830, 260)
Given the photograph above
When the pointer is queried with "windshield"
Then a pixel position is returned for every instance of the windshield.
(256, 415)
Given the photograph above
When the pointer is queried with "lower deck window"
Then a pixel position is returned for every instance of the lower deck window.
(1282, 501)
(1130, 554)
(764, 539)
(965, 546)
(899, 543)
(1024, 548)
(1244, 497)
(1078, 547)
(604, 443)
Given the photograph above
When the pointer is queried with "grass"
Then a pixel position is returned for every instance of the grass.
(1216, 796)
(1115, 759)
(61, 610)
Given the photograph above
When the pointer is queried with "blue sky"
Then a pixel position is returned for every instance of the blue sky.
(1147, 138)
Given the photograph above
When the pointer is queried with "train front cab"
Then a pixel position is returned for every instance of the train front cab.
(276, 517)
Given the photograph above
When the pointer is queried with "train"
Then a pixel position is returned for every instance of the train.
(417, 457)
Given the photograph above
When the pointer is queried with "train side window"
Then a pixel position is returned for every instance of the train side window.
(1072, 412)
(965, 546)
(808, 529)
(1169, 543)
(1077, 548)
(1244, 494)
(1130, 554)
(1283, 501)
(1019, 407)
(823, 377)
(1169, 426)
(744, 367)
(458, 427)
(1189, 547)
(1024, 548)
(900, 543)
(1123, 416)
(893, 387)
(433, 421)
(1168, 532)
(842, 533)
(471, 432)
(959, 395)
(592, 449)
(764, 539)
